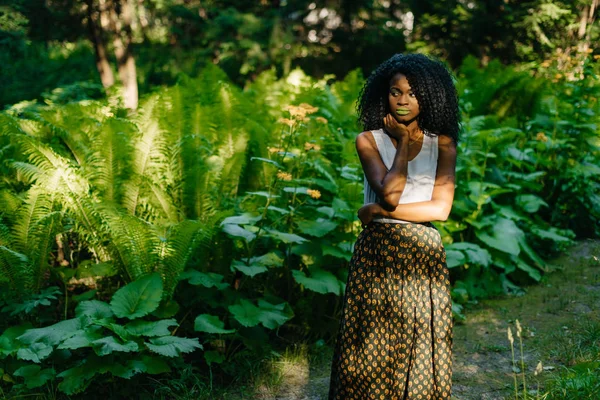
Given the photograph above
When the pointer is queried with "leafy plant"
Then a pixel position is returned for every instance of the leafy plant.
(99, 340)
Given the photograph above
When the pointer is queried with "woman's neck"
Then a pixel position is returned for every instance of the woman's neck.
(413, 129)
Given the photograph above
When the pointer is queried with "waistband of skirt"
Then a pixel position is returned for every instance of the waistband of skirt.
(380, 225)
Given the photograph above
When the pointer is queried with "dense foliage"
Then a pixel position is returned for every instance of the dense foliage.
(44, 45)
(229, 216)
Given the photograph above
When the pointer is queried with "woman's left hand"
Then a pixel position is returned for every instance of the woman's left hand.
(366, 213)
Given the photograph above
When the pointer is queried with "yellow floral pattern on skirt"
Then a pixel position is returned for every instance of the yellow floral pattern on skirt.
(395, 335)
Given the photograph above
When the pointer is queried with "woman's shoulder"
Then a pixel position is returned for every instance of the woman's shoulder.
(446, 147)
(445, 142)
(367, 138)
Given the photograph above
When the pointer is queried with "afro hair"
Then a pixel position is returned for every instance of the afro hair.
(430, 81)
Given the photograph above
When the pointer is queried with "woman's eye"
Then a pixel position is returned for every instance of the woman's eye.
(411, 94)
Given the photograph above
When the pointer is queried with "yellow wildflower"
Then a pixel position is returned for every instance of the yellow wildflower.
(510, 336)
(545, 64)
(315, 194)
(589, 51)
(296, 112)
(311, 146)
(299, 112)
(518, 328)
(286, 121)
(596, 56)
(541, 136)
(308, 108)
(557, 76)
(322, 120)
(274, 149)
(284, 176)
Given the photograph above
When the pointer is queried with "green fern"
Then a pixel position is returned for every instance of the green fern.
(181, 242)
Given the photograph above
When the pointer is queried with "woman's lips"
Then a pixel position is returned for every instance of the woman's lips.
(402, 111)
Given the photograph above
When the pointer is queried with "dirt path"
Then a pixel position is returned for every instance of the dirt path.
(550, 313)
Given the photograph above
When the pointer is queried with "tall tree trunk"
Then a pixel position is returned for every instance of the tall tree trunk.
(122, 40)
(586, 19)
(97, 38)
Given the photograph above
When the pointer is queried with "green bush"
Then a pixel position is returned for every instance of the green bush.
(243, 202)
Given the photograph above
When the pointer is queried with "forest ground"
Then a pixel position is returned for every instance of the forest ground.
(560, 319)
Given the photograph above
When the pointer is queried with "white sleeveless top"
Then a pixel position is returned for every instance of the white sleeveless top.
(420, 174)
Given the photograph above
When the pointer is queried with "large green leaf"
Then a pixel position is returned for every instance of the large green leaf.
(285, 237)
(270, 315)
(504, 236)
(238, 231)
(138, 298)
(210, 324)
(274, 315)
(35, 352)
(34, 375)
(530, 203)
(82, 338)
(475, 254)
(531, 253)
(249, 270)
(271, 259)
(51, 335)
(75, 379)
(150, 328)
(110, 344)
(553, 234)
(531, 271)
(330, 212)
(320, 281)
(244, 219)
(94, 308)
(246, 313)
(455, 258)
(318, 228)
(8, 343)
(208, 279)
(173, 346)
(334, 251)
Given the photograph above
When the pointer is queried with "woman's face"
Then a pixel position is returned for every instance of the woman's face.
(402, 101)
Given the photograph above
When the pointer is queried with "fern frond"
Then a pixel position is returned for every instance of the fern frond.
(12, 266)
(36, 206)
(182, 240)
(9, 204)
(132, 244)
(5, 236)
(165, 202)
(43, 236)
(149, 158)
(233, 152)
(9, 126)
(110, 160)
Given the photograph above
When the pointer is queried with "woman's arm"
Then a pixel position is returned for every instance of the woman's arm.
(387, 185)
(436, 209)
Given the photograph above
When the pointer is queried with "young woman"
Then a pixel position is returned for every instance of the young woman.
(395, 336)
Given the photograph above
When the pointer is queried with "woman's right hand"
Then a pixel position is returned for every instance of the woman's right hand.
(396, 130)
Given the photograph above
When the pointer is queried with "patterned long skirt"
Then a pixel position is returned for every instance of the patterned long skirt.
(395, 335)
